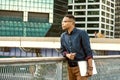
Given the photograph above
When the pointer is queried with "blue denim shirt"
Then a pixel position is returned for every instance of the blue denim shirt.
(76, 42)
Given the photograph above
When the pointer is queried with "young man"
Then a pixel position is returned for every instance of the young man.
(75, 46)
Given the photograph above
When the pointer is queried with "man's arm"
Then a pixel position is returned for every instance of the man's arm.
(88, 53)
(89, 67)
(86, 45)
(63, 50)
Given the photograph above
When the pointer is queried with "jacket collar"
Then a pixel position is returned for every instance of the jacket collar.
(73, 31)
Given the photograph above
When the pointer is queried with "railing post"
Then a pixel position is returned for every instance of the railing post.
(59, 70)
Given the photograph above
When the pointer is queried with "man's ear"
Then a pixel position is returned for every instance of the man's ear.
(73, 23)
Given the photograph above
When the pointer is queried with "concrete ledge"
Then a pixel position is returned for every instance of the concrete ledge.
(54, 42)
(57, 39)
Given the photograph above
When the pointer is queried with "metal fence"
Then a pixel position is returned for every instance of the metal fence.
(108, 68)
(41, 71)
(31, 68)
(54, 68)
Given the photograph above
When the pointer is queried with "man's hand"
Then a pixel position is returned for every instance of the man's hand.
(89, 71)
(89, 68)
(71, 56)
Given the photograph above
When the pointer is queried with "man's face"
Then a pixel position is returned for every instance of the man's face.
(66, 23)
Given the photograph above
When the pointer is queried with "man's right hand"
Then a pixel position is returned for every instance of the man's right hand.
(71, 56)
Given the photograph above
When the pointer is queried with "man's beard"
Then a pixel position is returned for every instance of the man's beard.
(65, 29)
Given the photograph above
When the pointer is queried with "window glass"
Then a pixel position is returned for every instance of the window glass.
(95, 25)
(93, 12)
(93, 18)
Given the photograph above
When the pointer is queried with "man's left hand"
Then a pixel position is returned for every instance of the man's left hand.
(89, 68)
(89, 71)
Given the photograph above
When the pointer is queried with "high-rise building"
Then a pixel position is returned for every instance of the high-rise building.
(117, 19)
(35, 18)
(59, 11)
(94, 16)
(30, 18)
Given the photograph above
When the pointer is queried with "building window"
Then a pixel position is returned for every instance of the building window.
(103, 13)
(107, 20)
(80, 19)
(111, 27)
(107, 33)
(102, 31)
(112, 22)
(112, 10)
(80, 1)
(103, 7)
(103, 1)
(108, 3)
(93, 0)
(69, 12)
(112, 16)
(93, 18)
(80, 25)
(80, 7)
(112, 5)
(108, 9)
(38, 17)
(107, 27)
(111, 33)
(70, 1)
(69, 7)
(103, 19)
(93, 25)
(92, 31)
(93, 12)
(93, 6)
(107, 15)
(11, 15)
(79, 13)
(103, 26)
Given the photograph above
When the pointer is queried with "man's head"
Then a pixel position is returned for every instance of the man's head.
(68, 22)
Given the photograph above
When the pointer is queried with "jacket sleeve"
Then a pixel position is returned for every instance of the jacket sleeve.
(63, 50)
(86, 45)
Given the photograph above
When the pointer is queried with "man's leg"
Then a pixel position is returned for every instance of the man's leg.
(71, 76)
(77, 74)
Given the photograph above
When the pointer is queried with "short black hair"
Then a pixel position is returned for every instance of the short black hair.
(70, 16)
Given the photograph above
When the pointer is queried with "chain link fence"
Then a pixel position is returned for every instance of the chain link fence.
(34, 71)
(107, 68)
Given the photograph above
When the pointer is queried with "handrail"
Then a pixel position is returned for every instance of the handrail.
(106, 57)
(45, 59)
(30, 60)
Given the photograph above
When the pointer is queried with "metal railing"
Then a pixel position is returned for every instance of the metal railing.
(37, 68)
(54, 68)
(49, 65)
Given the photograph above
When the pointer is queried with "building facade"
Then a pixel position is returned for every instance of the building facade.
(117, 19)
(31, 18)
(94, 16)
(59, 11)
